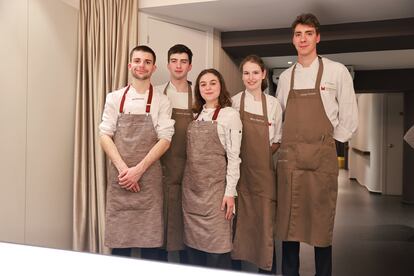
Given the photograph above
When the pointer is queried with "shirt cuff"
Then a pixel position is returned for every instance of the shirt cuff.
(341, 134)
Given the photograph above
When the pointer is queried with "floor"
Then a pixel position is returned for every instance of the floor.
(374, 234)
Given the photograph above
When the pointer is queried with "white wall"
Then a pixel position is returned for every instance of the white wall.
(375, 151)
(213, 57)
(366, 168)
(38, 82)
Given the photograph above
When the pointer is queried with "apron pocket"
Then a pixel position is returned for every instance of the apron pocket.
(308, 156)
(122, 199)
(197, 202)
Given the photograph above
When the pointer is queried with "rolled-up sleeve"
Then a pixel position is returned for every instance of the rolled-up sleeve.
(165, 125)
(233, 132)
(109, 117)
(347, 108)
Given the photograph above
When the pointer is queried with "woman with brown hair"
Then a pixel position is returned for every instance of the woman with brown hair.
(211, 173)
(261, 115)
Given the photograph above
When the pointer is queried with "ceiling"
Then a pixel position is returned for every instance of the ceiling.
(242, 15)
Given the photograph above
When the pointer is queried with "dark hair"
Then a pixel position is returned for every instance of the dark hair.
(308, 19)
(180, 49)
(257, 60)
(224, 98)
(142, 48)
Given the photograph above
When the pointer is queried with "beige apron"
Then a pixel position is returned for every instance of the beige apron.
(205, 227)
(256, 190)
(135, 219)
(173, 162)
(307, 169)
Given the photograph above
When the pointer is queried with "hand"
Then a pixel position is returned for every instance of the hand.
(128, 179)
(228, 206)
(134, 189)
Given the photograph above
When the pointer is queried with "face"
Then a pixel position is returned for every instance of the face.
(252, 76)
(142, 65)
(305, 39)
(210, 88)
(179, 66)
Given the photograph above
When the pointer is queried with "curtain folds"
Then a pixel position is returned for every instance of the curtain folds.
(108, 30)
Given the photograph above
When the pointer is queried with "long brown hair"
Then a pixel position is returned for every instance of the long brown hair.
(224, 99)
(259, 61)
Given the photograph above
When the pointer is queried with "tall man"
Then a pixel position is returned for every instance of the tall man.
(136, 131)
(319, 104)
(178, 89)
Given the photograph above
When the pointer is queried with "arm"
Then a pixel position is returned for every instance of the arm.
(129, 177)
(107, 129)
(233, 133)
(277, 119)
(347, 108)
(165, 130)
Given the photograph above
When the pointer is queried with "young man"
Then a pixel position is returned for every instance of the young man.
(178, 89)
(319, 104)
(136, 131)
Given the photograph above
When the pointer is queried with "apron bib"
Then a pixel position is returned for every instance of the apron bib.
(307, 169)
(135, 219)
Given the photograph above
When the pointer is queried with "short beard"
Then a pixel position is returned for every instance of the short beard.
(142, 78)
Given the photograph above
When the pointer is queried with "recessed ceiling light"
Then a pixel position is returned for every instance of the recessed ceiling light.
(289, 62)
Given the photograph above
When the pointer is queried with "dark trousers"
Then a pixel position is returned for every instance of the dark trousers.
(155, 254)
(213, 260)
(182, 254)
(290, 259)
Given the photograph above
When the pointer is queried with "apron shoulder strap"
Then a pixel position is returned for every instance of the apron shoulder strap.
(121, 106)
(148, 107)
(264, 108)
(319, 76)
(242, 99)
(190, 95)
(216, 112)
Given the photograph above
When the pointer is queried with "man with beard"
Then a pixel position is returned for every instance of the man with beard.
(136, 131)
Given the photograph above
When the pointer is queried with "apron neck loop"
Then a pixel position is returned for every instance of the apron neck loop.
(121, 106)
(264, 107)
(215, 115)
(189, 91)
(242, 104)
(318, 77)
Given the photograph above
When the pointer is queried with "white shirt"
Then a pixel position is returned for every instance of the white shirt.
(337, 93)
(178, 99)
(229, 128)
(274, 112)
(135, 103)
(409, 137)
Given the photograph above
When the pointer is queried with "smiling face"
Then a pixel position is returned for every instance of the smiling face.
(252, 76)
(305, 39)
(210, 88)
(179, 66)
(141, 65)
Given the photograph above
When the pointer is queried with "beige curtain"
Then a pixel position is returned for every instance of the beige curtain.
(108, 30)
